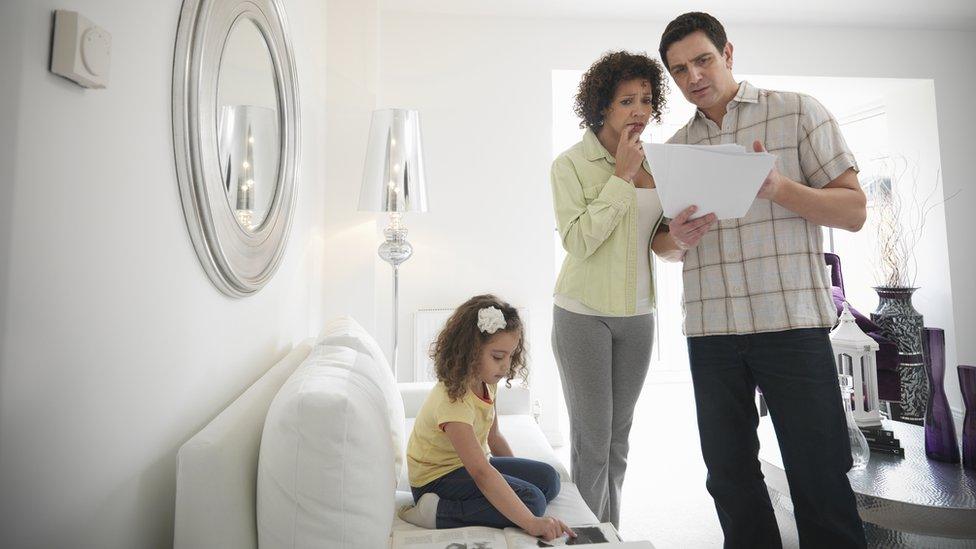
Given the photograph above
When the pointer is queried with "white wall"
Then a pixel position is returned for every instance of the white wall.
(914, 134)
(349, 237)
(486, 122)
(116, 347)
(483, 86)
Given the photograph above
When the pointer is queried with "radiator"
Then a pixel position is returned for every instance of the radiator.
(427, 323)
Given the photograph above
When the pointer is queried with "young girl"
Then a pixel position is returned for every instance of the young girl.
(454, 480)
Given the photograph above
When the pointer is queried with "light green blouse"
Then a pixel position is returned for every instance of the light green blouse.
(596, 214)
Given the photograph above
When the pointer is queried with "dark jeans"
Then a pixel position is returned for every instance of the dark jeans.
(796, 373)
(462, 503)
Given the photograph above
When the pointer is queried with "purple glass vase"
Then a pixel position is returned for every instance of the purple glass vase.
(940, 432)
(967, 384)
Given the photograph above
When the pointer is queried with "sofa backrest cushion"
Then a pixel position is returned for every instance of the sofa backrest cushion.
(326, 473)
(216, 470)
(512, 400)
(346, 332)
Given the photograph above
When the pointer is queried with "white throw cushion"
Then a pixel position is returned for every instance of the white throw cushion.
(346, 332)
(326, 470)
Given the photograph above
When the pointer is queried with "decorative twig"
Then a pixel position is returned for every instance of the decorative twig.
(899, 226)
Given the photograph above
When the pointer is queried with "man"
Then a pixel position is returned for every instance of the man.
(757, 305)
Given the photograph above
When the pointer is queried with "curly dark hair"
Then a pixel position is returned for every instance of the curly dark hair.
(687, 23)
(599, 83)
(458, 347)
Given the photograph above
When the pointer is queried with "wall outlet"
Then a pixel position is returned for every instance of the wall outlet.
(82, 51)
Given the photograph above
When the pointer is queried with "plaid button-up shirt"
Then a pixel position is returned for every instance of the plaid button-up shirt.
(765, 272)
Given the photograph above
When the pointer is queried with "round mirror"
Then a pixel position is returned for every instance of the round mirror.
(247, 131)
(236, 137)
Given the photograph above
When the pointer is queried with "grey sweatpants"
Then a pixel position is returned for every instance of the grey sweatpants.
(602, 362)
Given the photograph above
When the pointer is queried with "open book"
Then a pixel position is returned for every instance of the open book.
(482, 537)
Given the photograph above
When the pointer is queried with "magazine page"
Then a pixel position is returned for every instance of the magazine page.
(585, 534)
(472, 537)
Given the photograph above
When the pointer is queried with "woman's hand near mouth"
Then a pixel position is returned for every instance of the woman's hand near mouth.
(629, 156)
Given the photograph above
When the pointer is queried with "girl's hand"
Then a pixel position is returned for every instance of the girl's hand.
(548, 528)
(630, 155)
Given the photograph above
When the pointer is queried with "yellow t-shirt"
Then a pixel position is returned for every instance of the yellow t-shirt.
(430, 454)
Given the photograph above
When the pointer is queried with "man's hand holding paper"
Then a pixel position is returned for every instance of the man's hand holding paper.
(769, 186)
(686, 232)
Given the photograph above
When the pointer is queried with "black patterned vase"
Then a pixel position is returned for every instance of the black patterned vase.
(901, 323)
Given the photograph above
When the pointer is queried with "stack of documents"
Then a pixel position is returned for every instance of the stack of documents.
(719, 179)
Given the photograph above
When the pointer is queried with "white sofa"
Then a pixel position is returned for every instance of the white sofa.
(217, 468)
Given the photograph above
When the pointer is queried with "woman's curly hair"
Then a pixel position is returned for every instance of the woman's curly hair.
(458, 347)
(599, 83)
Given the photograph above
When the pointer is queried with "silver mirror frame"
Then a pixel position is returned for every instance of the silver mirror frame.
(237, 261)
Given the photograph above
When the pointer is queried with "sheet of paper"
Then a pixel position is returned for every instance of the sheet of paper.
(719, 179)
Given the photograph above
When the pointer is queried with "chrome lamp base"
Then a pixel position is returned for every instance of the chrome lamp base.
(395, 250)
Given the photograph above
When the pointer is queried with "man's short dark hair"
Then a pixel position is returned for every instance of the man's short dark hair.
(687, 23)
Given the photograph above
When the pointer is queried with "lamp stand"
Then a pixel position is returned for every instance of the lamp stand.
(395, 250)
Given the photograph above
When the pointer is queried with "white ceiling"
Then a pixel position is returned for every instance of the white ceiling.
(928, 14)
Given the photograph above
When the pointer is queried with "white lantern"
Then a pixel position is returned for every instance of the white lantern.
(855, 352)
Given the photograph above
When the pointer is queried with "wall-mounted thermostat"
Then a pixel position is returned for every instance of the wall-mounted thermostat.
(82, 51)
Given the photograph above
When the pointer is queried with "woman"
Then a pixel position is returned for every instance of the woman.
(607, 210)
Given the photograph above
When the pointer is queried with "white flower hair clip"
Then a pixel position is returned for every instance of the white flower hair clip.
(490, 320)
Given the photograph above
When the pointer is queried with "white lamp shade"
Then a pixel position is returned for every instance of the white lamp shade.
(394, 177)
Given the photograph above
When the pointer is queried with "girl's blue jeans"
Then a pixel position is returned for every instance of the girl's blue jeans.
(462, 503)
